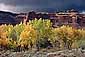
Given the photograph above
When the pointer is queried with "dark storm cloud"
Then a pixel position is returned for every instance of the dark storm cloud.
(25, 5)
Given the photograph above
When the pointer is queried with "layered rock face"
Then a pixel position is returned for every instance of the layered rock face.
(7, 18)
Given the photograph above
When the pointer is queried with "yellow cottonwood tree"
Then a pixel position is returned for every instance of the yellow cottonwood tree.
(28, 36)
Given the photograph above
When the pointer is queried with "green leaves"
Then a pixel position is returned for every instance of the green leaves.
(44, 30)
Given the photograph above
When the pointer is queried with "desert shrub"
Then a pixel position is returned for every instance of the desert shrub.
(44, 32)
(81, 42)
(68, 35)
(28, 36)
(3, 36)
(40, 34)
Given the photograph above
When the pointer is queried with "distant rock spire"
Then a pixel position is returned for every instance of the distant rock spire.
(26, 18)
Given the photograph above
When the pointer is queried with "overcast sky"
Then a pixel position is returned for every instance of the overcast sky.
(41, 5)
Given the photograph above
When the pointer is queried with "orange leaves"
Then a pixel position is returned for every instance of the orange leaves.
(3, 36)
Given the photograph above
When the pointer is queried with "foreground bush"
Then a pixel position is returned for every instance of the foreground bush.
(44, 32)
(28, 36)
(39, 34)
(67, 36)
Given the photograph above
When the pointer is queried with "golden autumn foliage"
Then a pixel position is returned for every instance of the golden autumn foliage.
(28, 36)
(68, 35)
(39, 32)
(3, 36)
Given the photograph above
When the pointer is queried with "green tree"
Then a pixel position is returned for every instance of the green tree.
(44, 32)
